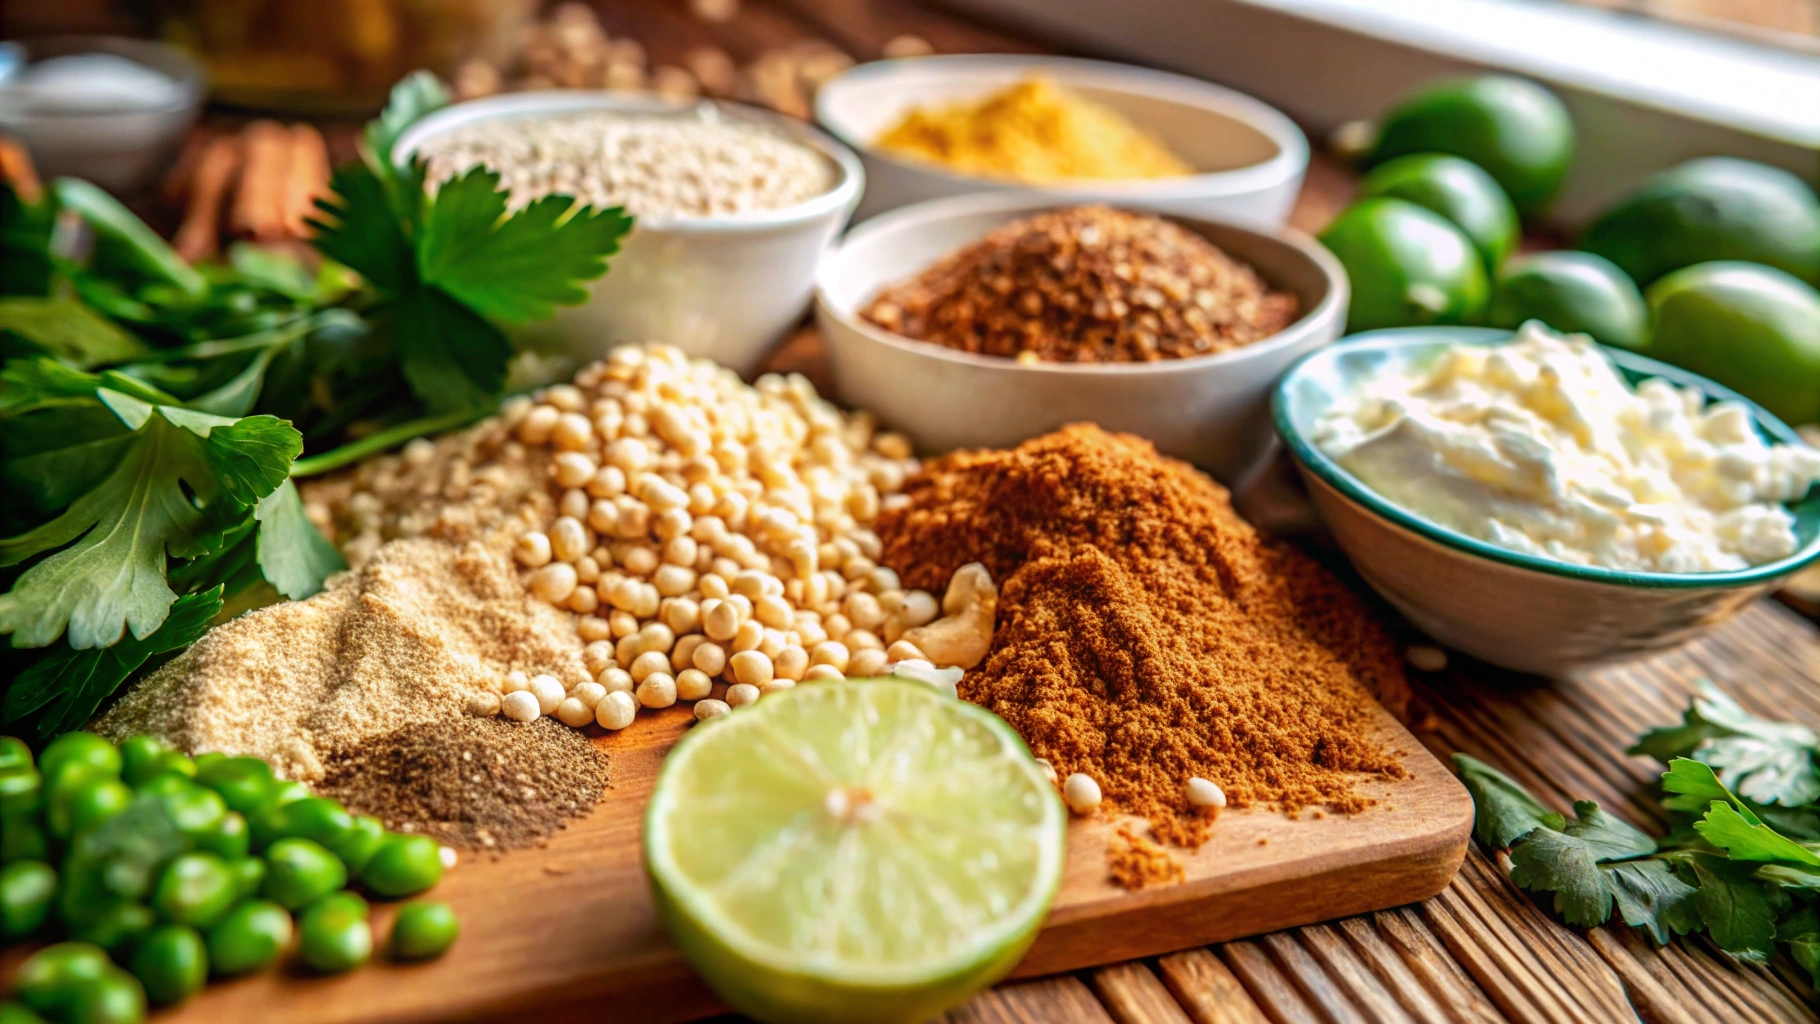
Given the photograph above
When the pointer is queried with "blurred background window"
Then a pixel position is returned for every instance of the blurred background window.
(1791, 23)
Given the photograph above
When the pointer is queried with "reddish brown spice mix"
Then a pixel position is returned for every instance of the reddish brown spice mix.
(1147, 634)
(1088, 284)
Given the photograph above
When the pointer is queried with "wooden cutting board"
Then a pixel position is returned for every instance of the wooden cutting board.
(568, 931)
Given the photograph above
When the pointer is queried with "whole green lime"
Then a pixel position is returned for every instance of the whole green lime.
(1408, 266)
(1752, 328)
(1516, 130)
(1573, 292)
(1457, 189)
(1714, 208)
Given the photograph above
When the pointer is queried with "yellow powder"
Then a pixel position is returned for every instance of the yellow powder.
(1033, 132)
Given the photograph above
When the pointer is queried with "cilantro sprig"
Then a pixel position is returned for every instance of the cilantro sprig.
(1725, 868)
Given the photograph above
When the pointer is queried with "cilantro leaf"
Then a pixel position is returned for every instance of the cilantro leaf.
(1607, 837)
(63, 687)
(1692, 786)
(1567, 862)
(1648, 895)
(515, 268)
(1763, 761)
(1739, 912)
(174, 491)
(452, 358)
(1503, 811)
(1750, 840)
(360, 229)
(415, 95)
(293, 556)
(69, 330)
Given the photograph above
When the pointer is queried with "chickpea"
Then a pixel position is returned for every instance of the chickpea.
(572, 469)
(791, 662)
(554, 582)
(711, 658)
(592, 628)
(773, 611)
(679, 613)
(821, 673)
(532, 549)
(752, 668)
(720, 619)
(647, 663)
(657, 691)
(569, 540)
(573, 503)
(673, 580)
(741, 694)
(748, 636)
(535, 428)
(683, 653)
(639, 561)
(869, 662)
(772, 642)
(622, 623)
(693, 684)
(831, 653)
(607, 482)
(583, 600)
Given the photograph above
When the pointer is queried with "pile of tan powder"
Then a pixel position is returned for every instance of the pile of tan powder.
(1088, 284)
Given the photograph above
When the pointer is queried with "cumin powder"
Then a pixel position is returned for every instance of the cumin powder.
(1147, 634)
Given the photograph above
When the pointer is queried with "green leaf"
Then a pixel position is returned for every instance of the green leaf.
(184, 480)
(1503, 811)
(1648, 895)
(361, 230)
(123, 241)
(293, 555)
(1551, 861)
(1692, 786)
(69, 330)
(515, 268)
(1609, 838)
(25, 243)
(1739, 912)
(452, 358)
(63, 687)
(273, 269)
(1747, 840)
(415, 95)
(1801, 931)
(1763, 761)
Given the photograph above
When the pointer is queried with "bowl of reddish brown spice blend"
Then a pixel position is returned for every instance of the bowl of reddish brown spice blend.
(985, 320)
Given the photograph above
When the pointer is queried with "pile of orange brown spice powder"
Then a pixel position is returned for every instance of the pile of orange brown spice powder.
(1147, 634)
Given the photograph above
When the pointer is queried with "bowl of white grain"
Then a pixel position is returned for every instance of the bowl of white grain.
(733, 208)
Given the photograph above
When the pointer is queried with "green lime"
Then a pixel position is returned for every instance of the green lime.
(1458, 190)
(172, 964)
(334, 936)
(117, 927)
(87, 802)
(423, 930)
(767, 837)
(1516, 130)
(1408, 266)
(1752, 328)
(1714, 208)
(1573, 292)
(115, 997)
(28, 888)
(248, 938)
(403, 866)
(299, 872)
(51, 979)
(15, 755)
(79, 748)
(195, 889)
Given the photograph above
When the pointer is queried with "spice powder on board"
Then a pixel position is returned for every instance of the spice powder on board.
(1146, 634)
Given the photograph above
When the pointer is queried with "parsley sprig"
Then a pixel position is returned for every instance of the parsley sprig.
(1741, 861)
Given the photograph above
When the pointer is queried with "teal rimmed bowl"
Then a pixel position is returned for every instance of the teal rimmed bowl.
(1513, 609)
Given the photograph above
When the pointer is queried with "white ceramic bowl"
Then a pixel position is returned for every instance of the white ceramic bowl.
(1251, 157)
(725, 288)
(1520, 611)
(118, 149)
(1211, 410)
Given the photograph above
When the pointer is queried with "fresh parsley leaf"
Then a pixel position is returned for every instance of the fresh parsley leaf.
(1503, 811)
(1750, 840)
(415, 95)
(520, 267)
(25, 243)
(1648, 895)
(1739, 912)
(63, 687)
(1801, 931)
(69, 330)
(361, 230)
(123, 242)
(1607, 837)
(1567, 861)
(1692, 786)
(293, 556)
(1763, 761)
(453, 358)
(182, 481)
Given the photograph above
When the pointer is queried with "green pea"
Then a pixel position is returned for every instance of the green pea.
(317, 818)
(195, 810)
(21, 793)
(268, 820)
(207, 758)
(286, 791)
(139, 758)
(27, 890)
(172, 964)
(423, 930)
(49, 980)
(249, 875)
(358, 846)
(22, 839)
(334, 935)
(195, 889)
(86, 894)
(118, 927)
(299, 872)
(16, 1013)
(244, 783)
(90, 802)
(173, 762)
(403, 866)
(114, 998)
(166, 784)
(229, 839)
(79, 748)
(15, 754)
(249, 938)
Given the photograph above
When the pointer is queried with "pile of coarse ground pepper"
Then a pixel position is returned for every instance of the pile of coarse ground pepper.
(1146, 634)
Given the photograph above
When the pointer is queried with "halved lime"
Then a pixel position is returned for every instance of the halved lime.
(859, 851)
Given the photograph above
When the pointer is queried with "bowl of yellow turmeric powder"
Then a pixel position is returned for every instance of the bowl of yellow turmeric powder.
(1077, 130)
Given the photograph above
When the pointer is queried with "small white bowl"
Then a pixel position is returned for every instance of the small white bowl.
(1251, 157)
(1211, 410)
(1516, 610)
(725, 288)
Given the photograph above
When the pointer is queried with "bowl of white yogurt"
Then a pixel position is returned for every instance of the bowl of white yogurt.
(1542, 502)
